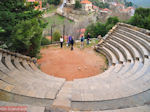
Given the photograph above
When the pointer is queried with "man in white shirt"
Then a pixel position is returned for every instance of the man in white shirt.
(61, 41)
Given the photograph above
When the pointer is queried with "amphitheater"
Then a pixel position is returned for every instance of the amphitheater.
(124, 87)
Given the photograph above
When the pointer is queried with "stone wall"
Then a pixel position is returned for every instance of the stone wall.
(18, 55)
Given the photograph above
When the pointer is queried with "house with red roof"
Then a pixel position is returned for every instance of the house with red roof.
(86, 5)
(106, 10)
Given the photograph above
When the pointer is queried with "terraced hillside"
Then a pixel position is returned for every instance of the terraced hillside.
(124, 87)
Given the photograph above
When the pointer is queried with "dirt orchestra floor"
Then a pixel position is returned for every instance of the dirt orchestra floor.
(64, 63)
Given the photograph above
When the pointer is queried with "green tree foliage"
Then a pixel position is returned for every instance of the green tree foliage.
(78, 5)
(55, 2)
(12, 12)
(111, 21)
(141, 18)
(1, 30)
(26, 37)
(99, 4)
(128, 4)
(101, 29)
(96, 29)
(15, 17)
(56, 36)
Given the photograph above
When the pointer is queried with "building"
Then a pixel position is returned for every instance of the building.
(130, 11)
(86, 5)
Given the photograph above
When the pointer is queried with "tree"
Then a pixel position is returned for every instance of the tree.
(77, 5)
(96, 29)
(111, 21)
(128, 4)
(26, 37)
(99, 4)
(55, 2)
(141, 18)
(56, 36)
(11, 13)
(23, 26)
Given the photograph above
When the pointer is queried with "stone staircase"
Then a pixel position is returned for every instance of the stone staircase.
(124, 87)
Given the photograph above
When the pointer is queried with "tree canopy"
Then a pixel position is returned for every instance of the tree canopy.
(99, 4)
(14, 16)
(96, 29)
(78, 5)
(26, 37)
(141, 18)
(55, 2)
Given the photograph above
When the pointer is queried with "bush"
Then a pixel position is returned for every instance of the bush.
(56, 36)
(45, 41)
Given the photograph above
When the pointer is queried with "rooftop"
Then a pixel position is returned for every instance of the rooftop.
(85, 2)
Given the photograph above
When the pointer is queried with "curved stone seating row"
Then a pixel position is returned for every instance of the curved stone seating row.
(145, 108)
(16, 107)
(21, 81)
(124, 87)
(127, 82)
(138, 39)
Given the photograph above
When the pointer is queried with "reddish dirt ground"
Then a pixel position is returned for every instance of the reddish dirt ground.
(71, 64)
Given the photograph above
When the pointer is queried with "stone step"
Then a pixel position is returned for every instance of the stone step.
(63, 98)
(24, 107)
(145, 108)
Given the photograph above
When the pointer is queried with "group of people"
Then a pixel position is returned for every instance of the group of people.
(83, 38)
(70, 41)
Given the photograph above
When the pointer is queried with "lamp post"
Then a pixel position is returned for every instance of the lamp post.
(51, 33)
(52, 26)
(63, 31)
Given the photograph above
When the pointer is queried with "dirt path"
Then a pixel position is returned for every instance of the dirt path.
(71, 64)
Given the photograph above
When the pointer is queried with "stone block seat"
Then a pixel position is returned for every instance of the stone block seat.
(22, 107)
(125, 86)
(22, 82)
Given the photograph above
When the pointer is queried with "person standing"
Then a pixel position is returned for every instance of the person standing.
(82, 41)
(69, 40)
(61, 41)
(72, 42)
(88, 38)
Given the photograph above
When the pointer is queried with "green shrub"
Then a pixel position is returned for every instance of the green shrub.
(56, 36)
(45, 41)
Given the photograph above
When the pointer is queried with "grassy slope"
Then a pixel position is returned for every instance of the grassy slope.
(58, 20)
